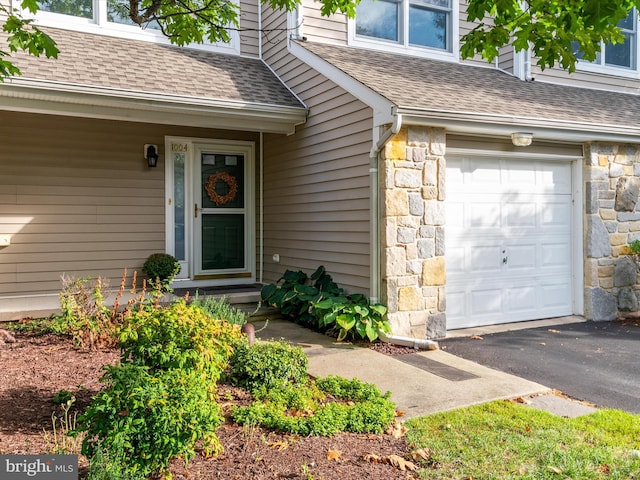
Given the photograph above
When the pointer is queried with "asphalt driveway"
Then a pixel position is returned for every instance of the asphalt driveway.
(597, 362)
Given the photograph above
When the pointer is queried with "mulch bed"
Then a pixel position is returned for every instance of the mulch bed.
(35, 367)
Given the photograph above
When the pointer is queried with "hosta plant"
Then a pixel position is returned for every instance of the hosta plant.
(325, 306)
(352, 316)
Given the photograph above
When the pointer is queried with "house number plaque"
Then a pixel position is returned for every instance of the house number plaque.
(179, 147)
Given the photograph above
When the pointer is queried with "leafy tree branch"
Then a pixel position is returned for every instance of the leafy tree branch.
(556, 31)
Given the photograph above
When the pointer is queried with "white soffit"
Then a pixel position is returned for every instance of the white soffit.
(55, 98)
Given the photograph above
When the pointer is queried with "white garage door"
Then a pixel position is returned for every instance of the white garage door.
(508, 241)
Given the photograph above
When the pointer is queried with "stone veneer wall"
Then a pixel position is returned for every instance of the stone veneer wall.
(612, 184)
(413, 215)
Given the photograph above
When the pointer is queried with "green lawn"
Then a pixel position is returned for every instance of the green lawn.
(502, 440)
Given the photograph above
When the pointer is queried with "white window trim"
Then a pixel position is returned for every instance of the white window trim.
(394, 47)
(111, 29)
(608, 69)
(295, 25)
(605, 69)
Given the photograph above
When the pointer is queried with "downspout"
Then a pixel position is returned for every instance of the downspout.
(374, 176)
(374, 218)
(527, 65)
(260, 31)
(417, 343)
(261, 209)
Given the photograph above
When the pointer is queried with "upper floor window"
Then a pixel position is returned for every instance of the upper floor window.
(407, 23)
(620, 55)
(116, 10)
(109, 17)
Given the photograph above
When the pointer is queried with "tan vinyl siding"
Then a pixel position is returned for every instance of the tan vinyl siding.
(317, 185)
(581, 78)
(274, 39)
(506, 59)
(331, 29)
(77, 198)
(316, 182)
(465, 27)
(249, 34)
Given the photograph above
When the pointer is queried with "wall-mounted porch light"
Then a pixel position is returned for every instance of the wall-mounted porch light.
(521, 139)
(151, 154)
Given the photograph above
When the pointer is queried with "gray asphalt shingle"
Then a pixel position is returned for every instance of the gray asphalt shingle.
(420, 83)
(104, 61)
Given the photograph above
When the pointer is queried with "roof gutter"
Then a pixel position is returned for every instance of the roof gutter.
(545, 129)
(396, 125)
(41, 96)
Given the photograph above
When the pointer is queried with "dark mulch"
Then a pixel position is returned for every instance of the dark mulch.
(34, 368)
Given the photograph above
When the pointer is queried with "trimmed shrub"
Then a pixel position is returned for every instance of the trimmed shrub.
(160, 269)
(267, 365)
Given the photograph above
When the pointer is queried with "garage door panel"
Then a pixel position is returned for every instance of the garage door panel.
(484, 215)
(521, 299)
(520, 174)
(557, 213)
(491, 304)
(508, 241)
(555, 178)
(455, 302)
(556, 255)
(456, 257)
(456, 214)
(521, 257)
(557, 295)
(486, 301)
(520, 215)
(483, 172)
(484, 259)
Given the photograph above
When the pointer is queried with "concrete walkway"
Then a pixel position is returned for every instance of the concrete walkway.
(421, 383)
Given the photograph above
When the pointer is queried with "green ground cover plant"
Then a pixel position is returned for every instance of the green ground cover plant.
(501, 440)
(322, 408)
(286, 399)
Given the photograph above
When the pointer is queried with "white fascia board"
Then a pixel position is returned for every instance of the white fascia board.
(57, 98)
(382, 107)
(542, 129)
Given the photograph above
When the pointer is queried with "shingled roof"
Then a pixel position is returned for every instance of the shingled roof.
(103, 61)
(435, 86)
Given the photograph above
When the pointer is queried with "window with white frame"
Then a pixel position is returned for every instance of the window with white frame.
(108, 17)
(406, 23)
(622, 55)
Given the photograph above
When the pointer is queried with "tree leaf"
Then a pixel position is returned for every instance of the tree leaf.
(400, 463)
(334, 455)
